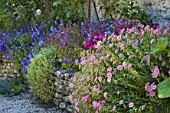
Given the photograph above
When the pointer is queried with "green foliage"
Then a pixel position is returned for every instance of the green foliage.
(69, 10)
(121, 68)
(160, 45)
(40, 73)
(15, 13)
(13, 86)
(164, 89)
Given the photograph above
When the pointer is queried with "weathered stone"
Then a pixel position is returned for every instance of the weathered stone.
(61, 87)
(57, 101)
(64, 111)
(59, 90)
(66, 93)
(62, 105)
(66, 83)
(67, 76)
(66, 99)
(69, 109)
(67, 89)
(58, 95)
(59, 111)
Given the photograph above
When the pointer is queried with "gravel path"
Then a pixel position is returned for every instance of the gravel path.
(23, 103)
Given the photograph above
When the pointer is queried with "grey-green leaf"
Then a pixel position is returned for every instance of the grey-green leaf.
(164, 89)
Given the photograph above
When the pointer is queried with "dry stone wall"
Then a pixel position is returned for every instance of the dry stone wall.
(158, 10)
(7, 69)
(62, 81)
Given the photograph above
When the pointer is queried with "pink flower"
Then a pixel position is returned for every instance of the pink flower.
(147, 57)
(110, 45)
(84, 99)
(77, 109)
(169, 72)
(116, 50)
(131, 104)
(109, 75)
(120, 102)
(71, 85)
(114, 72)
(83, 62)
(156, 70)
(94, 103)
(129, 30)
(92, 57)
(119, 37)
(96, 61)
(95, 89)
(147, 84)
(120, 55)
(74, 78)
(166, 24)
(109, 69)
(153, 86)
(76, 104)
(108, 79)
(97, 111)
(79, 85)
(154, 75)
(149, 89)
(85, 93)
(152, 93)
(105, 94)
(165, 32)
(100, 79)
(119, 67)
(72, 96)
(129, 65)
(114, 108)
(121, 45)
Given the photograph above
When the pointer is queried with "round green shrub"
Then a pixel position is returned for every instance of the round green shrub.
(40, 74)
(121, 75)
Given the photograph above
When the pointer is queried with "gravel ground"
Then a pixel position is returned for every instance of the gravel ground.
(24, 103)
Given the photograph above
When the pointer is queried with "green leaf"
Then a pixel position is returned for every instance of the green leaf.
(169, 53)
(160, 45)
(164, 89)
(56, 3)
(68, 14)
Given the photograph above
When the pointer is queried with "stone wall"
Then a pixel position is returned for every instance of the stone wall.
(7, 69)
(158, 10)
(62, 81)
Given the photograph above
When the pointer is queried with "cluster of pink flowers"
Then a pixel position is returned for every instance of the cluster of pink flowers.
(120, 57)
(155, 72)
(85, 99)
(150, 88)
(92, 41)
(98, 105)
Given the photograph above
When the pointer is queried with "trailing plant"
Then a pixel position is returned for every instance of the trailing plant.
(40, 74)
(13, 86)
(121, 75)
